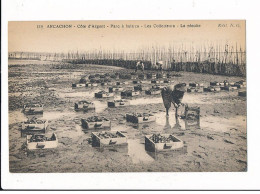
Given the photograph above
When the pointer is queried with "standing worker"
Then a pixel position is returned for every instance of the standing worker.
(136, 67)
(159, 65)
(142, 65)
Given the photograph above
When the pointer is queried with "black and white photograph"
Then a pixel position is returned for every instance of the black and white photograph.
(127, 96)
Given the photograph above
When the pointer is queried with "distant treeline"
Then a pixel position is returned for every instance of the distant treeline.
(219, 68)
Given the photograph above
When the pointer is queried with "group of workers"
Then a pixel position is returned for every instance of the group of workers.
(141, 64)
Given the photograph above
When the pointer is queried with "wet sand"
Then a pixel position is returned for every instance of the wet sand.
(219, 145)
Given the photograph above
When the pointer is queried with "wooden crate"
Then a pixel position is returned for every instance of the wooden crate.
(141, 88)
(157, 81)
(242, 82)
(111, 138)
(239, 85)
(145, 82)
(168, 75)
(193, 85)
(192, 117)
(40, 141)
(115, 89)
(171, 144)
(78, 85)
(153, 92)
(214, 83)
(161, 75)
(118, 103)
(142, 76)
(229, 88)
(133, 77)
(111, 83)
(157, 87)
(151, 76)
(34, 126)
(140, 118)
(125, 83)
(242, 93)
(33, 109)
(130, 93)
(167, 81)
(136, 81)
(209, 89)
(88, 85)
(104, 95)
(217, 89)
(199, 89)
(101, 123)
(226, 83)
(91, 85)
(92, 76)
(84, 105)
(195, 89)
(191, 89)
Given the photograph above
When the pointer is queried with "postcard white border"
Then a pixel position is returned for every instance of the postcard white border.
(26, 10)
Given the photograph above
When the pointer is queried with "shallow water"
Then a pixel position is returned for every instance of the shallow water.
(142, 101)
(137, 152)
(53, 115)
(187, 99)
(76, 93)
(168, 122)
(100, 106)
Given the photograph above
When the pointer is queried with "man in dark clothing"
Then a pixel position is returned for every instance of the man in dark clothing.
(173, 95)
(136, 67)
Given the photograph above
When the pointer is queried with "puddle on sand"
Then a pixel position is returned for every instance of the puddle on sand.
(137, 152)
(168, 122)
(187, 99)
(142, 101)
(75, 132)
(223, 124)
(57, 115)
(100, 106)
(74, 93)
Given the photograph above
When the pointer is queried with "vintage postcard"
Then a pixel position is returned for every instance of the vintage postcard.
(127, 96)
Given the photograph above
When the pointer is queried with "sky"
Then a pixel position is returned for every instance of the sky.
(27, 37)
